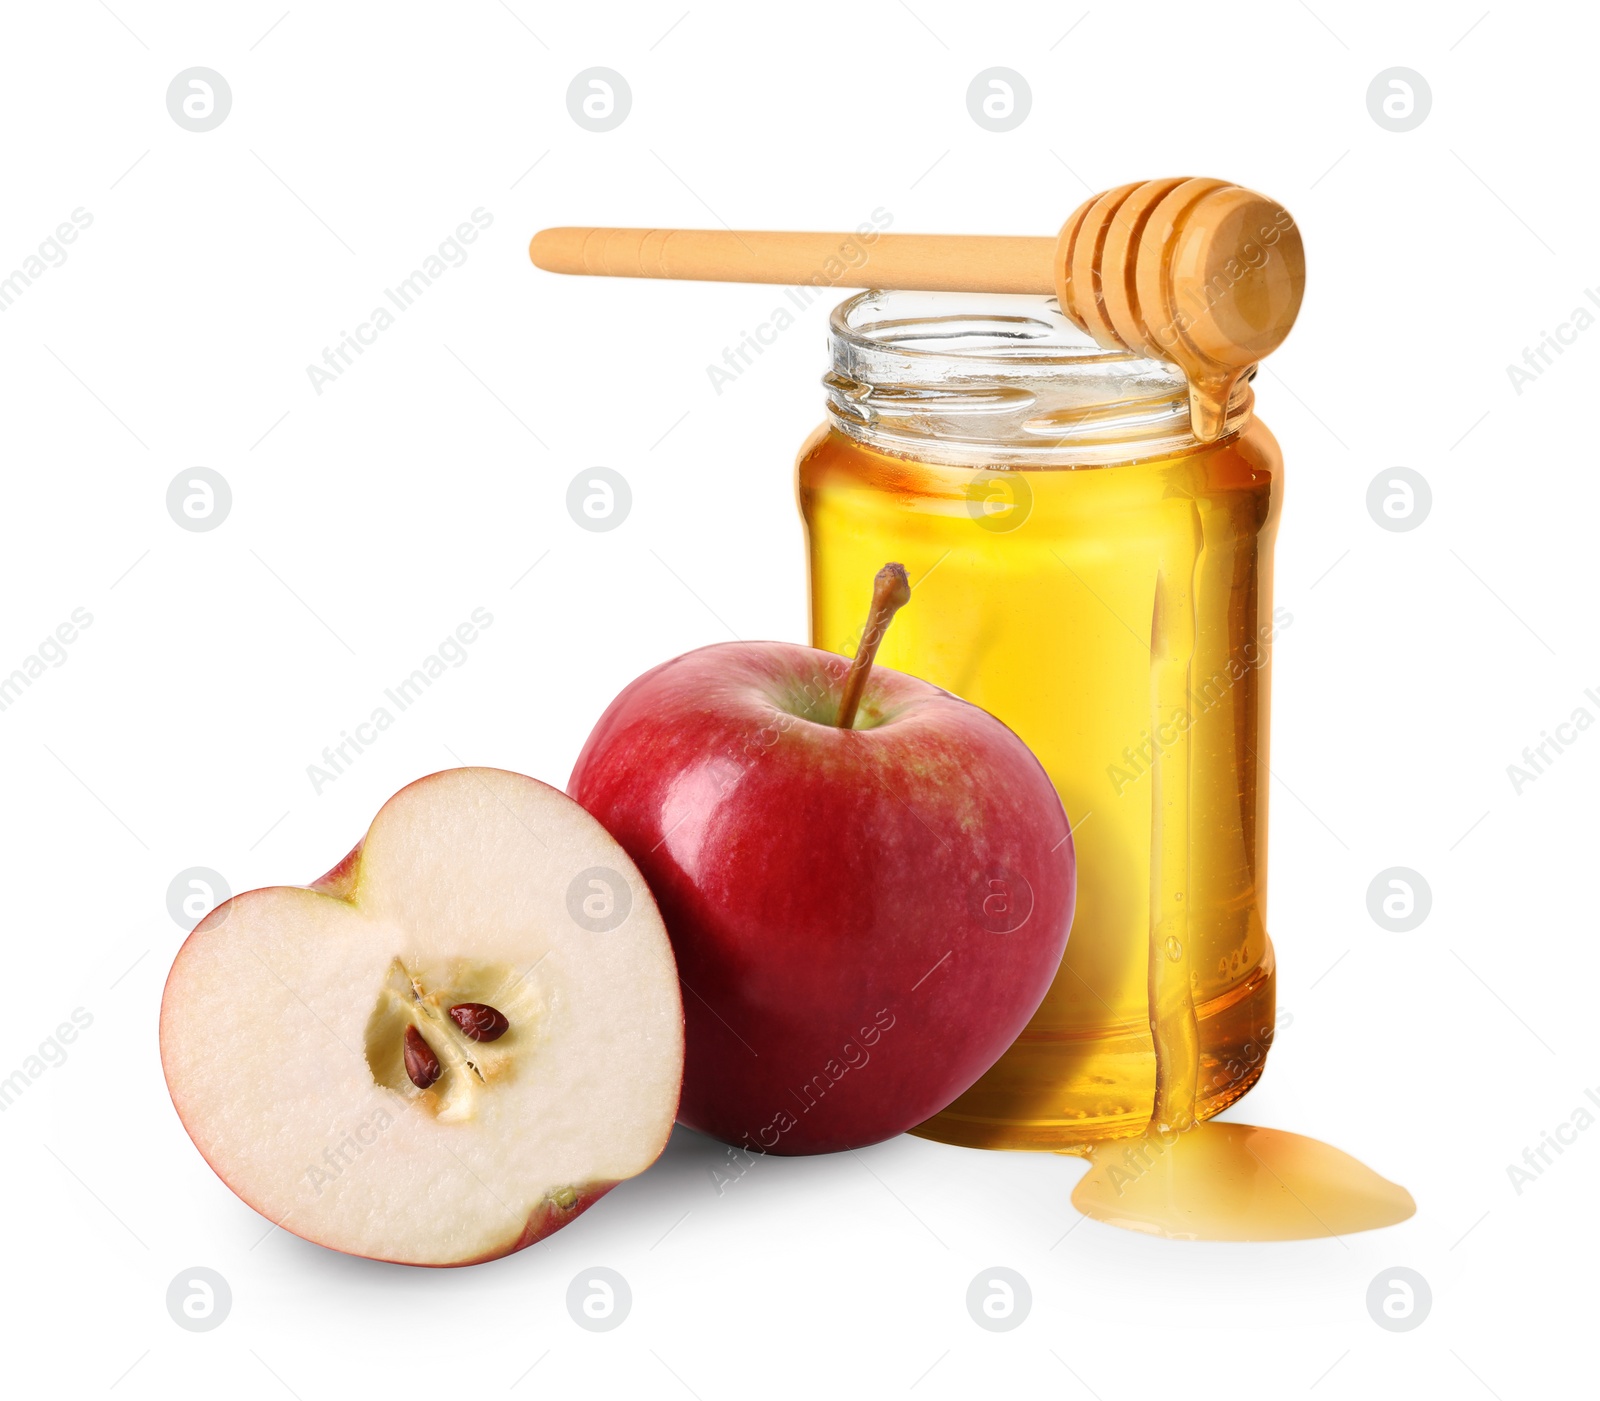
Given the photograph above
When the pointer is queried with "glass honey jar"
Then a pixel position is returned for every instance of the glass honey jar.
(1089, 572)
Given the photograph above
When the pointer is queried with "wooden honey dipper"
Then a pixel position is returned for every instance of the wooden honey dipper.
(1200, 273)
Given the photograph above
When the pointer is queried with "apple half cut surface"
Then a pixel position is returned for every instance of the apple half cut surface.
(449, 1046)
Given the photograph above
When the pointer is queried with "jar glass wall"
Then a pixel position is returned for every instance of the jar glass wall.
(1089, 573)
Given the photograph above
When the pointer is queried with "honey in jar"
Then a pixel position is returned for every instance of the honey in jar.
(1088, 572)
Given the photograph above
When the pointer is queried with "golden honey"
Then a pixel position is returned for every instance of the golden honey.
(1226, 1181)
(1087, 572)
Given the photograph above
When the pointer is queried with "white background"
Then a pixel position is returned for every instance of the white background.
(370, 520)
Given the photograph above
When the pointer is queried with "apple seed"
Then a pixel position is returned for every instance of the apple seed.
(421, 1064)
(480, 1021)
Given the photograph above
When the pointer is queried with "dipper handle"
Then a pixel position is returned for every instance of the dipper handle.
(923, 262)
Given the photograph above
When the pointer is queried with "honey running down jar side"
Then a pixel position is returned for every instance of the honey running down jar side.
(1087, 572)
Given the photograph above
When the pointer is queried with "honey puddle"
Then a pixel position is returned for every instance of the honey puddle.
(1221, 1181)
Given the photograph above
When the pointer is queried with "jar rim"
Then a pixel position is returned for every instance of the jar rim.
(996, 380)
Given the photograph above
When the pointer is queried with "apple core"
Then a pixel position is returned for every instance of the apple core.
(420, 1000)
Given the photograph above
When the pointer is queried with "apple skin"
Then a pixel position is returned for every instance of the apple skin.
(825, 889)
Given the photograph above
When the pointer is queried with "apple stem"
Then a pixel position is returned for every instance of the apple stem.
(890, 593)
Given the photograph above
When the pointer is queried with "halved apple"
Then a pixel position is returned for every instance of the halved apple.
(449, 1046)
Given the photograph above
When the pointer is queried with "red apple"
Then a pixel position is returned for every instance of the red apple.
(864, 918)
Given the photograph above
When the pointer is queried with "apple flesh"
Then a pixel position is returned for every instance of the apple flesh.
(462, 1036)
(864, 919)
